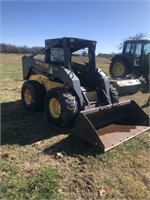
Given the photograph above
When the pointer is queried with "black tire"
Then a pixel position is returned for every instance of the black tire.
(61, 107)
(147, 79)
(114, 94)
(32, 94)
(119, 69)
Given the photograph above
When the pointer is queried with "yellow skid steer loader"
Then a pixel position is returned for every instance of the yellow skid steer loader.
(62, 80)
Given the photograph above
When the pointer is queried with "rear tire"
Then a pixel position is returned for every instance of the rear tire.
(32, 94)
(61, 106)
(119, 69)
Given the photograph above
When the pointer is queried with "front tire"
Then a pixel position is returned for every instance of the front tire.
(60, 106)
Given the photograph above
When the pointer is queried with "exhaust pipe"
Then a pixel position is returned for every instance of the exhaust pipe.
(111, 125)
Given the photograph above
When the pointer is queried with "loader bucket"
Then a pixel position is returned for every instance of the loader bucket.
(111, 125)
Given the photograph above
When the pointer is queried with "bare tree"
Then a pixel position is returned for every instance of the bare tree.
(137, 36)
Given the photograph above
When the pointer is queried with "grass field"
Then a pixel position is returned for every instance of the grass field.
(41, 161)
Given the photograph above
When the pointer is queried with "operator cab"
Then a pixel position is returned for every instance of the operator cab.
(137, 49)
(77, 55)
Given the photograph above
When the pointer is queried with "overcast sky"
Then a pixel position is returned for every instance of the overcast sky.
(108, 22)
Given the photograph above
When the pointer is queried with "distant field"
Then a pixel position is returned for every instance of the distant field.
(41, 161)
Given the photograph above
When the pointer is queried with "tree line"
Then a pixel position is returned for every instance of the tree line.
(10, 48)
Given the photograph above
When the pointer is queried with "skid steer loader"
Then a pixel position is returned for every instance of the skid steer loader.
(63, 80)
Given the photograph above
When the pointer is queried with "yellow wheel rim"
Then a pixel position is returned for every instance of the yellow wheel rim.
(55, 108)
(27, 97)
(118, 69)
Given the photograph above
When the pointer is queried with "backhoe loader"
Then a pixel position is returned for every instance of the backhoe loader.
(62, 79)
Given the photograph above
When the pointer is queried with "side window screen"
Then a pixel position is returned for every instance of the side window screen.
(57, 55)
(146, 48)
(128, 47)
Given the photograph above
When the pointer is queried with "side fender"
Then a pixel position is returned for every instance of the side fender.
(121, 57)
(69, 79)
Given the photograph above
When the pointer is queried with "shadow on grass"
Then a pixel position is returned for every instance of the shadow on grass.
(72, 146)
(144, 87)
(22, 127)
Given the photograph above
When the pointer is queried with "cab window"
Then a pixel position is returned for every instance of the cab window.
(128, 48)
(57, 54)
(146, 48)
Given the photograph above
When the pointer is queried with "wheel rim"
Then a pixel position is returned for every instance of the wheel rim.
(55, 108)
(27, 97)
(118, 69)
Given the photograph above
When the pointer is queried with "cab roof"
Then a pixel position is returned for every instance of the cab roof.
(69, 41)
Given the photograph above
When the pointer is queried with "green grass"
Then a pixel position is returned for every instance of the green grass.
(44, 182)
(32, 169)
(42, 185)
(10, 66)
(10, 77)
(13, 73)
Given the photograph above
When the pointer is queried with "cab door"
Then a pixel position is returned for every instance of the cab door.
(146, 55)
(137, 54)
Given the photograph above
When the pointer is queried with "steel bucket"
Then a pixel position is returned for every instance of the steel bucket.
(111, 125)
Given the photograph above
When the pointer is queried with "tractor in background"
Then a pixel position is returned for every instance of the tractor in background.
(133, 62)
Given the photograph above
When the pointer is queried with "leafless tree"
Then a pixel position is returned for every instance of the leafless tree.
(137, 36)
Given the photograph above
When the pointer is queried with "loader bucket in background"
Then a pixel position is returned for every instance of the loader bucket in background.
(111, 125)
